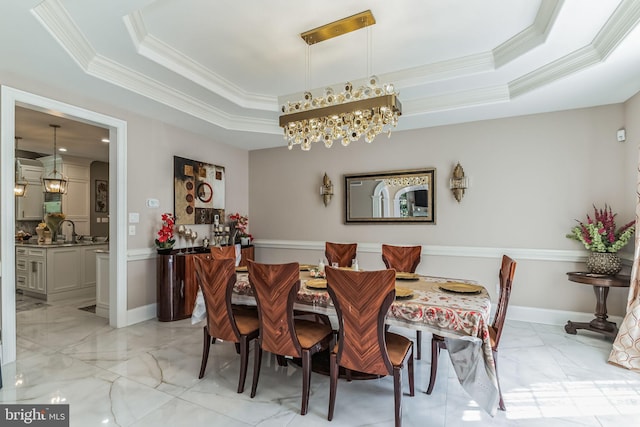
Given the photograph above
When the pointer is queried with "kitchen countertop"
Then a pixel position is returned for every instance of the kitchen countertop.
(59, 245)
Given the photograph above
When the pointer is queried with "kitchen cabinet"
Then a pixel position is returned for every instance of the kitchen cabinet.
(75, 203)
(177, 285)
(31, 264)
(57, 272)
(30, 207)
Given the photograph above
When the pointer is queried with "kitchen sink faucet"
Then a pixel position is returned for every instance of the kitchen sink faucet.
(74, 236)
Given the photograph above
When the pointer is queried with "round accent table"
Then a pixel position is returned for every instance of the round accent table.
(601, 284)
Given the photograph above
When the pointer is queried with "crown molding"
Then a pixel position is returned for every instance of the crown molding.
(620, 23)
(449, 101)
(569, 64)
(55, 19)
(530, 37)
(443, 70)
(165, 55)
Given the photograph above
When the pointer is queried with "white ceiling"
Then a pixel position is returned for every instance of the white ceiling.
(219, 68)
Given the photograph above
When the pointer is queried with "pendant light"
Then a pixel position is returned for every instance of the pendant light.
(55, 182)
(20, 186)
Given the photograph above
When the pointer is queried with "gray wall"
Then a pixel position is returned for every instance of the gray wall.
(98, 171)
(530, 176)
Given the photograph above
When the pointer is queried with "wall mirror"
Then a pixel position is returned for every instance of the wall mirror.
(406, 196)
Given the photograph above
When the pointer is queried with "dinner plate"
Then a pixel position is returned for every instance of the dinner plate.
(401, 275)
(316, 283)
(316, 274)
(242, 269)
(403, 293)
(306, 267)
(461, 288)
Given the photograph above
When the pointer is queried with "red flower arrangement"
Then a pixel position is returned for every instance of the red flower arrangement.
(165, 238)
(599, 234)
(242, 223)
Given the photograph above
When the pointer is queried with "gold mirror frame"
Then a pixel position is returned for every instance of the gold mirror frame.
(401, 196)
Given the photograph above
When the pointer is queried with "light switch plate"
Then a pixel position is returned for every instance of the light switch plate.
(132, 230)
(134, 217)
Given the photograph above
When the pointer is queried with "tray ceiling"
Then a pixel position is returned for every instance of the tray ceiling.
(223, 68)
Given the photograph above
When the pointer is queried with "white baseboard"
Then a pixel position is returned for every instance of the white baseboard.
(551, 317)
(140, 314)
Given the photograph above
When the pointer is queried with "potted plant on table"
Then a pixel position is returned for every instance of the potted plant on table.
(165, 240)
(600, 236)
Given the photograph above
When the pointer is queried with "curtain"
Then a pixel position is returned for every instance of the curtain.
(626, 347)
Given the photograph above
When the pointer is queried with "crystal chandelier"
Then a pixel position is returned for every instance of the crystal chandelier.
(354, 112)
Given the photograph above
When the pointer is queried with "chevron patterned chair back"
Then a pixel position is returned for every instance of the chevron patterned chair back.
(218, 252)
(342, 253)
(404, 259)
(216, 278)
(275, 287)
(401, 258)
(362, 300)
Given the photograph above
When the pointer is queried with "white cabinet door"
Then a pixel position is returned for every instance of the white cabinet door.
(63, 269)
(21, 271)
(31, 206)
(37, 276)
(75, 204)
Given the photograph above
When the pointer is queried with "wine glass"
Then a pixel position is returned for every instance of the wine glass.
(181, 230)
(194, 236)
(187, 236)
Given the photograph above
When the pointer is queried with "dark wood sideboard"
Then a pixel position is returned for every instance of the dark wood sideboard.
(176, 282)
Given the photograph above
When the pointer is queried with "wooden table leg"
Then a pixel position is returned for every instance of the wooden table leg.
(600, 323)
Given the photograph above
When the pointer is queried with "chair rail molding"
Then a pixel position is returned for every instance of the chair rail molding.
(453, 251)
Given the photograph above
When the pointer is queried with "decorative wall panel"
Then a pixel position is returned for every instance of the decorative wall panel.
(198, 190)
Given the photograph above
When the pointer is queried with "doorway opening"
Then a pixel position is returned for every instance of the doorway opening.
(10, 99)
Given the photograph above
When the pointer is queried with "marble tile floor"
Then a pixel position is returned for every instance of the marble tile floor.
(146, 375)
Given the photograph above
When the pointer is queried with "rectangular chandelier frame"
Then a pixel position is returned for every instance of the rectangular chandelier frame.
(390, 101)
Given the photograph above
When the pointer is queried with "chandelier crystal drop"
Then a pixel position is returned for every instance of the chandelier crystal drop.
(366, 111)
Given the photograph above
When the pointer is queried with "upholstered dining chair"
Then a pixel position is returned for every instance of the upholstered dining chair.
(404, 259)
(275, 287)
(216, 278)
(219, 252)
(362, 299)
(342, 253)
(507, 271)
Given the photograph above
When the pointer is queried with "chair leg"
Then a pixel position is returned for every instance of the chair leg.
(306, 380)
(495, 362)
(435, 352)
(348, 374)
(238, 348)
(333, 385)
(257, 361)
(205, 352)
(244, 361)
(419, 345)
(282, 361)
(397, 394)
(412, 389)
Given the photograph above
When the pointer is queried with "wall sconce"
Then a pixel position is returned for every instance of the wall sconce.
(326, 189)
(458, 182)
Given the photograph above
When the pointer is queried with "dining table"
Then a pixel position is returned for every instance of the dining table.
(461, 317)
